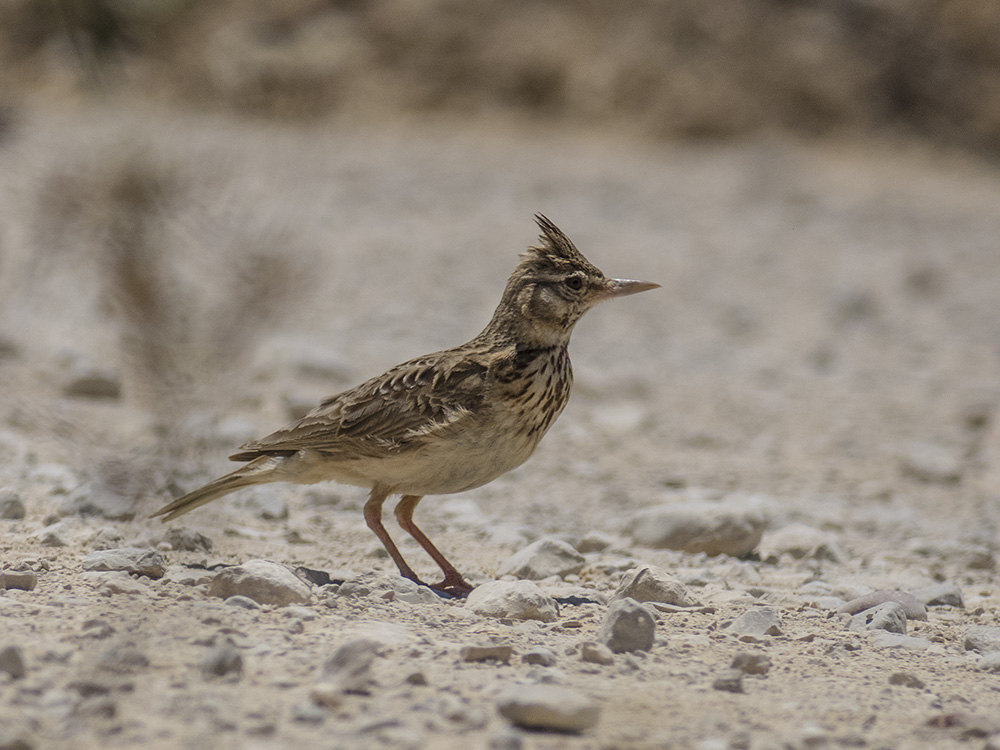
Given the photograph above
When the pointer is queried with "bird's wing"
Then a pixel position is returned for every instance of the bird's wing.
(389, 413)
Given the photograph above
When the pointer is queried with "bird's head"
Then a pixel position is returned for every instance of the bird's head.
(553, 286)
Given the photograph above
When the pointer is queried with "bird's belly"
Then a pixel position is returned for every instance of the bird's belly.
(441, 467)
(457, 466)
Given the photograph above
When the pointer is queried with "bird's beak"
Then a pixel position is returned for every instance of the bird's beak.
(623, 288)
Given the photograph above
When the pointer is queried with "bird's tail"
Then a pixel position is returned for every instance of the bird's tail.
(259, 471)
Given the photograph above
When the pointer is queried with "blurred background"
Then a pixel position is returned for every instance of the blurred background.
(215, 214)
(212, 215)
(681, 69)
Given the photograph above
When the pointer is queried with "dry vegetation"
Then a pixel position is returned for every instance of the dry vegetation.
(688, 68)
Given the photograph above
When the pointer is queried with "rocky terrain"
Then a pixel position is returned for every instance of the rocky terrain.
(768, 518)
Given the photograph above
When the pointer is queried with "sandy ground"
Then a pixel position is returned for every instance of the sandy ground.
(827, 318)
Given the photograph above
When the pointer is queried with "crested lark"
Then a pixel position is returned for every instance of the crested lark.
(445, 422)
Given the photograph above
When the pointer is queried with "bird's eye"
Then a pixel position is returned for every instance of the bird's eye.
(575, 283)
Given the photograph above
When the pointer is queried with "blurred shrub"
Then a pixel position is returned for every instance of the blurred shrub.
(689, 68)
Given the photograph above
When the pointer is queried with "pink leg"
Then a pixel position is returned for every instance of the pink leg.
(373, 517)
(453, 582)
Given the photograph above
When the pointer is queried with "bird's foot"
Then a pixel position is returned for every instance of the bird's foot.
(454, 586)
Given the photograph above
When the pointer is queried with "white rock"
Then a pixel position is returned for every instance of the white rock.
(983, 639)
(515, 600)
(26, 580)
(596, 653)
(930, 462)
(888, 616)
(263, 581)
(715, 528)
(133, 560)
(652, 584)
(548, 707)
(756, 622)
(121, 583)
(543, 558)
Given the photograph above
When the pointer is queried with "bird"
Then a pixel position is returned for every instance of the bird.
(445, 422)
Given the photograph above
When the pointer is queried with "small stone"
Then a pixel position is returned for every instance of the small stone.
(500, 654)
(944, 594)
(541, 559)
(751, 663)
(243, 602)
(11, 506)
(98, 707)
(651, 584)
(51, 538)
(89, 687)
(627, 626)
(350, 667)
(596, 653)
(971, 725)
(885, 639)
(187, 540)
(905, 679)
(300, 613)
(508, 739)
(514, 600)
(801, 542)
(326, 694)
(263, 581)
(548, 707)
(91, 382)
(25, 580)
(416, 678)
(990, 663)
(185, 576)
(540, 656)
(224, 660)
(983, 639)
(889, 616)
(121, 583)
(730, 681)
(142, 562)
(912, 607)
(97, 629)
(308, 713)
(12, 662)
(756, 623)
(931, 463)
(405, 590)
(594, 541)
(700, 526)
(123, 658)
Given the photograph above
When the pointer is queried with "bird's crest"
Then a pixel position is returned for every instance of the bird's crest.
(555, 248)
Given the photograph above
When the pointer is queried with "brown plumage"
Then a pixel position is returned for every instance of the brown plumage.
(445, 422)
